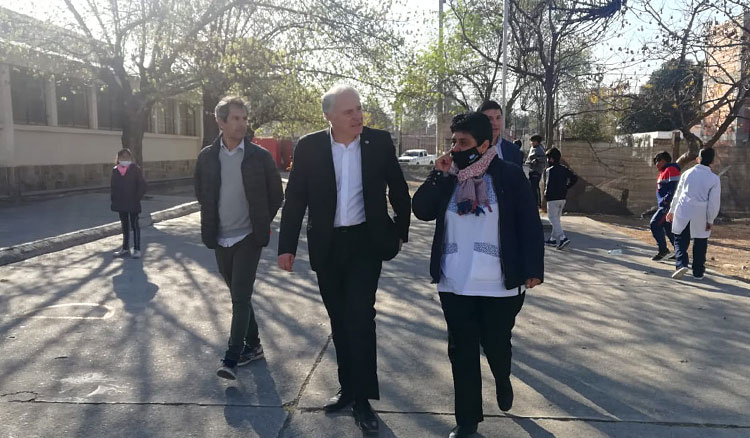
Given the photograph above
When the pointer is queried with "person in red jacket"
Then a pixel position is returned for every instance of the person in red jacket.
(127, 189)
(666, 185)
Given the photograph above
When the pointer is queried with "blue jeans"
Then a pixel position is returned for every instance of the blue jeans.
(681, 245)
(660, 227)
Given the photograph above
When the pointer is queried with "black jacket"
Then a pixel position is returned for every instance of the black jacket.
(559, 180)
(312, 186)
(127, 190)
(520, 229)
(262, 189)
(511, 153)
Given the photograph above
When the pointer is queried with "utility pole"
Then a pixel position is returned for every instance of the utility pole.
(506, 22)
(440, 107)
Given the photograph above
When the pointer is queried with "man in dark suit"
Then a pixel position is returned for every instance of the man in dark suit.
(505, 149)
(339, 175)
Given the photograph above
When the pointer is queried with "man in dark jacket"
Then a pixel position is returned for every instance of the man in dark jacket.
(239, 189)
(666, 185)
(488, 248)
(559, 180)
(537, 162)
(339, 177)
(505, 149)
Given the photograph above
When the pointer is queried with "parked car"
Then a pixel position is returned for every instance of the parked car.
(415, 157)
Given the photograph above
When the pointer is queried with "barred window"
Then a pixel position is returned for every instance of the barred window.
(187, 120)
(72, 103)
(27, 94)
(109, 109)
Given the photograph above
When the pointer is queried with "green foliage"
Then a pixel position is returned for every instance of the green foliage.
(669, 100)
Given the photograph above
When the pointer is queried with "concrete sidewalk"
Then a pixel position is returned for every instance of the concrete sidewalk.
(608, 346)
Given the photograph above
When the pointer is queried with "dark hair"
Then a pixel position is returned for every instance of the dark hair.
(663, 155)
(476, 124)
(707, 156)
(222, 108)
(122, 153)
(518, 142)
(555, 154)
(536, 137)
(489, 105)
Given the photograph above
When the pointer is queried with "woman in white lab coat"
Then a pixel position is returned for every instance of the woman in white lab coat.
(694, 207)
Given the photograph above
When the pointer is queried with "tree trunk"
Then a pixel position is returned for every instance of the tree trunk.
(135, 121)
(210, 128)
(693, 146)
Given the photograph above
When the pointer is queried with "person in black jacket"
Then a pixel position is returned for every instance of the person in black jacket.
(488, 249)
(127, 189)
(239, 189)
(559, 179)
(339, 177)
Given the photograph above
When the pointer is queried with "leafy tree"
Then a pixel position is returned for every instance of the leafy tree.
(658, 106)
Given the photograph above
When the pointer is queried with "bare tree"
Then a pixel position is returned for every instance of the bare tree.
(715, 34)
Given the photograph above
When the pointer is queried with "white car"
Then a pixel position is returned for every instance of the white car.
(415, 157)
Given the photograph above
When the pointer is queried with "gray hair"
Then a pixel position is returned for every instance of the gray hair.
(222, 108)
(329, 98)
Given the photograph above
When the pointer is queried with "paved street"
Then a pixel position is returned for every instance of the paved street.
(608, 346)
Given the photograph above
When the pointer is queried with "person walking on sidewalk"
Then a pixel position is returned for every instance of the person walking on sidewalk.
(559, 179)
(488, 249)
(692, 212)
(127, 189)
(666, 184)
(340, 176)
(537, 162)
(239, 191)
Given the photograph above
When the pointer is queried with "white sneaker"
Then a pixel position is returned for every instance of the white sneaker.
(679, 273)
(136, 254)
(702, 277)
(122, 253)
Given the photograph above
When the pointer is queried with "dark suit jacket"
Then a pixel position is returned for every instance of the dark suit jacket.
(262, 189)
(511, 152)
(312, 186)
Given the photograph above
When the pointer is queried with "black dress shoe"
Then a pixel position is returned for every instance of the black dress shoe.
(365, 417)
(463, 431)
(339, 401)
(504, 395)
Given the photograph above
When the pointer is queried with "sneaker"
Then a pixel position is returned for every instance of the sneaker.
(136, 254)
(227, 370)
(250, 354)
(660, 255)
(563, 243)
(701, 277)
(122, 253)
(672, 255)
(679, 273)
(550, 242)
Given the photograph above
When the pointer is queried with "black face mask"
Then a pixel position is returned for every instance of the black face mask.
(464, 159)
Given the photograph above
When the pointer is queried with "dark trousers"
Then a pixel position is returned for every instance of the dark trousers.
(660, 227)
(130, 221)
(534, 179)
(700, 246)
(348, 281)
(238, 264)
(474, 321)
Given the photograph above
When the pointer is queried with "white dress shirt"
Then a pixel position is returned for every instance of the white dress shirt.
(347, 163)
(226, 242)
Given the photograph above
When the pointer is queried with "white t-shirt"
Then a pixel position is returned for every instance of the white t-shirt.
(471, 252)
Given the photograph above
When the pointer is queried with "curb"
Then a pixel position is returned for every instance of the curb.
(17, 253)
